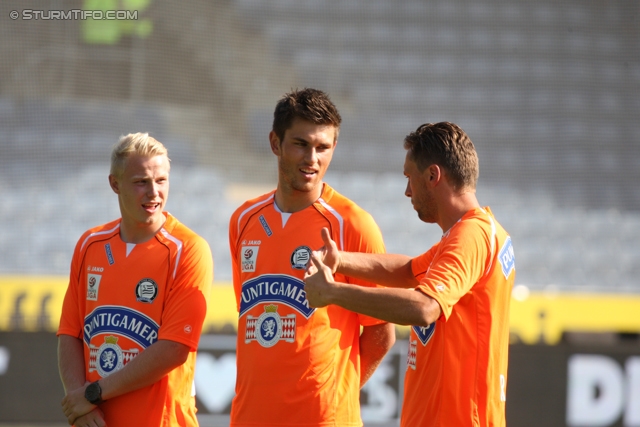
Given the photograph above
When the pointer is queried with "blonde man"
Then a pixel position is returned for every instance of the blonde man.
(135, 305)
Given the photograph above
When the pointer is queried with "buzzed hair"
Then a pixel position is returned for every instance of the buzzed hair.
(309, 104)
(140, 144)
(448, 146)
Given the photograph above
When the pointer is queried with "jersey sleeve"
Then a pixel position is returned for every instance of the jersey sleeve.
(363, 235)
(233, 248)
(458, 263)
(186, 306)
(420, 264)
(71, 321)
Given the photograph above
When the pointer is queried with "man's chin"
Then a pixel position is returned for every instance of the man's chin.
(307, 187)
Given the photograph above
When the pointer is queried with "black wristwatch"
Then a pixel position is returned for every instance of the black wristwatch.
(93, 393)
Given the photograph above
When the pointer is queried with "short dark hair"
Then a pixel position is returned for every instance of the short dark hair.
(448, 146)
(308, 104)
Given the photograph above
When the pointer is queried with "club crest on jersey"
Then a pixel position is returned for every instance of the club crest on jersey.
(109, 357)
(146, 290)
(424, 333)
(93, 285)
(248, 258)
(300, 257)
(269, 328)
(507, 258)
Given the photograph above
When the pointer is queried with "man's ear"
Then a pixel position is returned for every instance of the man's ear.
(274, 141)
(113, 182)
(433, 174)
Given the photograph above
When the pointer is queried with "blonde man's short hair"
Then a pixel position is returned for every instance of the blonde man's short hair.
(140, 144)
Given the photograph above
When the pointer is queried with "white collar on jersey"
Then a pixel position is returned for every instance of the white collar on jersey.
(130, 247)
(284, 215)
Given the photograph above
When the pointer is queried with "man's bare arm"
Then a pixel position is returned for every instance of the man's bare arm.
(400, 306)
(375, 342)
(392, 270)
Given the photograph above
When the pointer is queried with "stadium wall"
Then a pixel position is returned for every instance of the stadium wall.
(561, 385)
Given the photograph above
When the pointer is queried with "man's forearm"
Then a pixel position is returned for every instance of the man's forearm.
(400, 306)
(145, 369)
(375, 342)
(391, 270)
(71, 365)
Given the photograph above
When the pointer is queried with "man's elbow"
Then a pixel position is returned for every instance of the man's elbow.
(428, 312)
(176, 353)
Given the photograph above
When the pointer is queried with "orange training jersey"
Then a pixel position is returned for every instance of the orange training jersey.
(297, 366)
(122, 298)
(457, 367)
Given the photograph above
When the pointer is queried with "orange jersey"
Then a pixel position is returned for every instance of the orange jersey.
(457, 367)
(297, 365)
(122, 298)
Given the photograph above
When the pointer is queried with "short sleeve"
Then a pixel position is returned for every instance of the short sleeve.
(457, 264)
(186, 306)
(71, 321)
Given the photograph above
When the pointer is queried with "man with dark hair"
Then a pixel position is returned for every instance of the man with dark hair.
(297, 365)
(456, 295)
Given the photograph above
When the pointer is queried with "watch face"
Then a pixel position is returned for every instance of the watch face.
(93, 393)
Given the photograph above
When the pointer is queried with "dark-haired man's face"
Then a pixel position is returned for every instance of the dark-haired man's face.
(422, 197)
(304, 155)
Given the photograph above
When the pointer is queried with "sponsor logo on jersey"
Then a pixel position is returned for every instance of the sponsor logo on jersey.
(507, 258)
(280, 288)
(424, 333)
(120, 321)
(300, 257)
(248, 258)
(109, 357)
(252, 242)
(266, 227)
(269, 328)
(107, 249)
(93, 285)
(146, 290)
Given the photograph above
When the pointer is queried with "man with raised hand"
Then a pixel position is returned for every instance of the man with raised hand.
(456, 295)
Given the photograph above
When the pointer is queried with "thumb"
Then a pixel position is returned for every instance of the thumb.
(326, 237)
(316, 260)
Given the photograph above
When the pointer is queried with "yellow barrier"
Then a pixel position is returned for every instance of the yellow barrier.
(32, 303)
(543, 317)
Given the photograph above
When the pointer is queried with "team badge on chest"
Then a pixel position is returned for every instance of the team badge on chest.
(146, 290)
(109, 357)
(424, 334)
(270, 327)
(300, 257)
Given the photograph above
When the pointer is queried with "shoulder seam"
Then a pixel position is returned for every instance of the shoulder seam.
(251, 207)
(98, 233)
